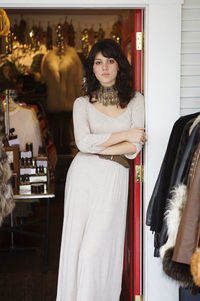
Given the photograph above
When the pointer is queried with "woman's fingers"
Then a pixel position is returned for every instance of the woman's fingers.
(137, 135)
(143, 139)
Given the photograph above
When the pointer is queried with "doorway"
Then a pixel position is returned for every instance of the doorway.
(115, 17)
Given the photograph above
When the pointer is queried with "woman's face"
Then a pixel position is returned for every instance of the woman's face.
(105, 70)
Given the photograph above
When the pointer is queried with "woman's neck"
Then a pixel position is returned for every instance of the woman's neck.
(107, 95)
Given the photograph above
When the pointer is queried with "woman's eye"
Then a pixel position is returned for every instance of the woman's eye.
(97, 62)
(111, 61)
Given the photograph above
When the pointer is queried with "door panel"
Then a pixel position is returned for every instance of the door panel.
(132, 272)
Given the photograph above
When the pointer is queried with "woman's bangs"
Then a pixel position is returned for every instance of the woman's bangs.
(109, 53)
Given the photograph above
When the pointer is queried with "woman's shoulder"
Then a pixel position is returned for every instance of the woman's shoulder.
(81, 101)
(136, 101)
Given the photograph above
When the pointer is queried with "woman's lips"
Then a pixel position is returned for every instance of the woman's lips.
(105, 74)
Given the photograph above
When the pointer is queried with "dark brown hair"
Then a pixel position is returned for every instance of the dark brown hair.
(110, 49)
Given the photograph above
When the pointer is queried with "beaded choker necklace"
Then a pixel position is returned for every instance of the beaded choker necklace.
(107, 96)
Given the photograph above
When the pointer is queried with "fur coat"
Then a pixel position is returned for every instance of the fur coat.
(182, 219)
(63, 76)
(166, 180)
(6, 196)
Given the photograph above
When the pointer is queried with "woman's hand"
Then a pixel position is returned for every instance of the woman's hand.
(136, 135)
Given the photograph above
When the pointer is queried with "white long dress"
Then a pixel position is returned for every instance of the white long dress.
(96, 192)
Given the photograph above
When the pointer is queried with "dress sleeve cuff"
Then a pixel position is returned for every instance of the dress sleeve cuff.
(138, 149)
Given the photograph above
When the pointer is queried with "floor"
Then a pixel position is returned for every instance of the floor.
(22, 277)
(21, 273)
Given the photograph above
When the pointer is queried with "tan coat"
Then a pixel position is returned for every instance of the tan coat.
(188, 229)
(63, 75)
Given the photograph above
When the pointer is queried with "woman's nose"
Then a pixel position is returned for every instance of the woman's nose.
(105, 66)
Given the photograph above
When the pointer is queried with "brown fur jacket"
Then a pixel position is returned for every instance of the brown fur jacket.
(183, 219)
(6, 196)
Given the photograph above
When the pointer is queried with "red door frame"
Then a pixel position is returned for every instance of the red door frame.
(132, 283)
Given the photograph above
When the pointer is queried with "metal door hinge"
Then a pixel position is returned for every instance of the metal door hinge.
(139, 170)
(139, 40)
(138, 298)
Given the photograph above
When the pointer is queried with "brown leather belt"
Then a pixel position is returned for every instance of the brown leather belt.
(117, 158)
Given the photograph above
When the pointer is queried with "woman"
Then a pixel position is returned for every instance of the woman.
(109, 121)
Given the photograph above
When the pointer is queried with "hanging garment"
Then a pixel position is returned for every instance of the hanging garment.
(195, 261)
(71, 35)
(96, 192)
(177, 256)
(63, 76)
(184, 156)
(78, 37)
(7, 202)
(189, 225)
(173, 216)
(165, 180)
(24, 120)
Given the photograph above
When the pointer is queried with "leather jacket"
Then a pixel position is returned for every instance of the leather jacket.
(173, 171)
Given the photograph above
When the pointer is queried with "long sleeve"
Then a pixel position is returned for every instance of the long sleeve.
(86, 141)
(137, 119)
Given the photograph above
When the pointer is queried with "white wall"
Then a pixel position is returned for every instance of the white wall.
(163, 24)
(190, 57)
(162, 94)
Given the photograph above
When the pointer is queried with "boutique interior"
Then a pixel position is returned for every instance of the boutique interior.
(41, 74)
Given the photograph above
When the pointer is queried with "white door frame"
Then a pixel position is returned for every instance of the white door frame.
(162, 98)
